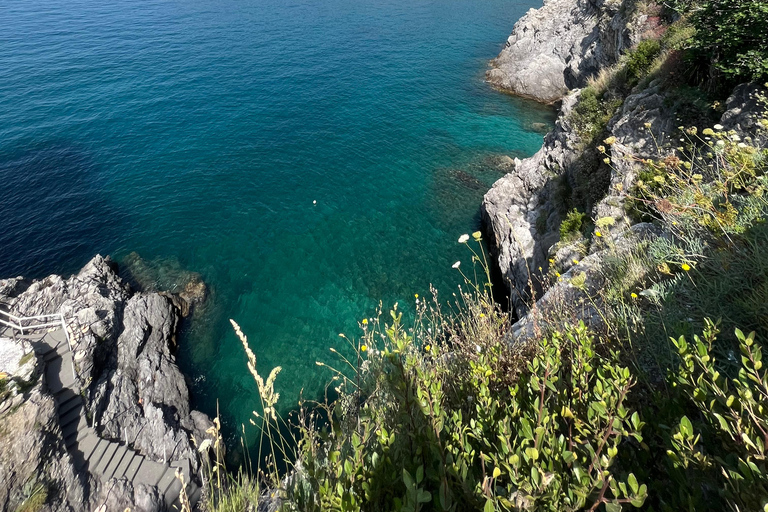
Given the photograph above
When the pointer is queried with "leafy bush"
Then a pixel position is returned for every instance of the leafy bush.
(730, 34)
(435, 429)
(570, 227)
(726, 444)
(640, 59)
(592, 113)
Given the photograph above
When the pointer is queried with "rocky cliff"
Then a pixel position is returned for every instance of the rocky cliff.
(555, 48)
(523, 211)
(123, 345)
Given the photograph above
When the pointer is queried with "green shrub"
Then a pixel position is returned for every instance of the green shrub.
(592, 113)
(723, 447)
(639, 60)
(570, 227)
(441, 430)
(731, 35)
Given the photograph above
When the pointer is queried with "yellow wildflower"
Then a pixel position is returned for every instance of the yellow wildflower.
(610, 140)
(686, 267)
(363, 348)
(598, 234)
(416, 295)
(365, 321)
(633, 295)
(427, 347)
(477, 235)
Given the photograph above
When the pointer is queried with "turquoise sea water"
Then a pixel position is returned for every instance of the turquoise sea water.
(199, 133)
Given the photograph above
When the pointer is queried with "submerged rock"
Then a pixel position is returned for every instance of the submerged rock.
(187, 289)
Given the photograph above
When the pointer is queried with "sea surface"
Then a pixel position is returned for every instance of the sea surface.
(309, 158)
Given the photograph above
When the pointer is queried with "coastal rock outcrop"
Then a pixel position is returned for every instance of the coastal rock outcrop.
(549, 56)
(123, 345)
(555, 48)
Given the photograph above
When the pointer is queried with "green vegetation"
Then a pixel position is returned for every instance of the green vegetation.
(730, 36)
(570, 228)
(639, 60)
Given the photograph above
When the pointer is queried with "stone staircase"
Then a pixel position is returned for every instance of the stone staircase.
(102, 458)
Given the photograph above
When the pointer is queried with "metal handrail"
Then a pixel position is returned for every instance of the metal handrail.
(21, 328)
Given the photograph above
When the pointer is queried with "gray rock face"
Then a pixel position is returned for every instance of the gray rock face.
(519, 210)
(744, 109)
(123, 345)
(33, 459)
(120, 495)
(576, 294)
(144, 398)
(555, 48)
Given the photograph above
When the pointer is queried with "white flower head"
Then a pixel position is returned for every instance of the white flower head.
(463, 238)
(456, 265)
(718, 127)
(721, 143)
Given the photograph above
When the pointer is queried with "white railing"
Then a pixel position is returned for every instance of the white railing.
(16, 323)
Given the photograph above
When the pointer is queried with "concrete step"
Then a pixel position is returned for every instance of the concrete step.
(71, 429)
(82, 449)
(166, 482)
(124, 464)
(67, 371)
(58, 351)
(185, 468)
(194, 493)
(72, 416)
(53, 377)
(133, 467)
(150, 472)
(56, 337)
(65, 395)
(121, 452)
(97, 454)
(41, 348)
(106, 458)
(66, 405)
(78, 431)
(173, 493)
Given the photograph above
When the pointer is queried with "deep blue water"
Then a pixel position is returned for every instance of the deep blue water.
(199, 132)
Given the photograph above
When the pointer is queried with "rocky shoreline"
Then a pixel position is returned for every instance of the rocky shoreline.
(551, 55)
(123, 343)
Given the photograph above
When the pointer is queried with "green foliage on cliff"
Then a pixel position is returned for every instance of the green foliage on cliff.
(640, 59)
(731, 35)
(570, 228)
(727, 40)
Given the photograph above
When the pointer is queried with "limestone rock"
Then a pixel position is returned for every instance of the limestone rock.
(555, 48)
(123, 346)
(575, 296)
(519, 214)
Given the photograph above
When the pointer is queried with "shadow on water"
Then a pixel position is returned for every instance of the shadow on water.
(54, 213)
